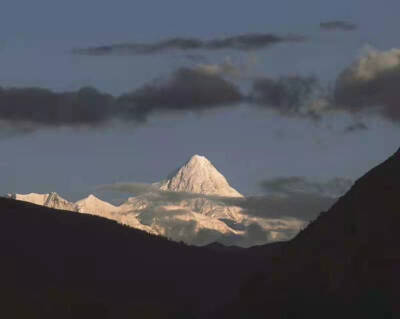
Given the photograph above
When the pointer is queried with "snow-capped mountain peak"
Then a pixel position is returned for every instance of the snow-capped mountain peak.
(93, 205)
(198, 175)
(199, 160)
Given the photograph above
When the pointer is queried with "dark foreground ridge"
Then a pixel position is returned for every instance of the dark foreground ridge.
(346, 264)
(57, 264)
(61, 264)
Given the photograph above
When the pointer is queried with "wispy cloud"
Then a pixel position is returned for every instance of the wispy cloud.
(291, 204)
(337, 25)
(297, 184)
(247, 41)
(290, 95)
(267, 218)
(303, 206)
(355, 127)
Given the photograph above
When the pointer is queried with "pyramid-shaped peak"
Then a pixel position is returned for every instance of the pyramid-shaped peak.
(198, 175)
(90, 199)
(198, 161)
(94, 205)
(196, 158)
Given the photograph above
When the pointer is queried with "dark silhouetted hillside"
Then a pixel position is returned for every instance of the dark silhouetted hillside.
(59, 264)
(345, 264)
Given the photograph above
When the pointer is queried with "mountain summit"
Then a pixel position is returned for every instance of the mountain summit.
(198, 175)
(94, 205)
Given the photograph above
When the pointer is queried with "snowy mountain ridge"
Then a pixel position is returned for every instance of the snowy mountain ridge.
(52, 200)
(197, 221)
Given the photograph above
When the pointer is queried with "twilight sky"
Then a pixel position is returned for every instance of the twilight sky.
(267, 130)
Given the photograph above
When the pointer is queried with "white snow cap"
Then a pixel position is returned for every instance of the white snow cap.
(94, 205)
(52, 200)
(198, 175)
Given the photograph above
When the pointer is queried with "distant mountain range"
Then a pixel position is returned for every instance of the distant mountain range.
(195, 215)
(345, 264)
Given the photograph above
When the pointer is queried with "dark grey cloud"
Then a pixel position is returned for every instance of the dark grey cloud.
(295, 196)
(355, 127)
(337, 25)
(28, 107)
(302, 206)
(248, 41)
(197, 58)
(25, 110)
(368, 86)
(290, 95)
(371, 85)
(296, 184)
(186, 90)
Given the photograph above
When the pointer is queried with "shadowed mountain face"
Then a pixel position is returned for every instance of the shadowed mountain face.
(344, 264)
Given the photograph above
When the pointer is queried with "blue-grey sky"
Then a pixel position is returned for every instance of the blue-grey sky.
(247, 144)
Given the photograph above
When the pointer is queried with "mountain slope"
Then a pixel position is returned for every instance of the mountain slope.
(346, 261)
(59, 264)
